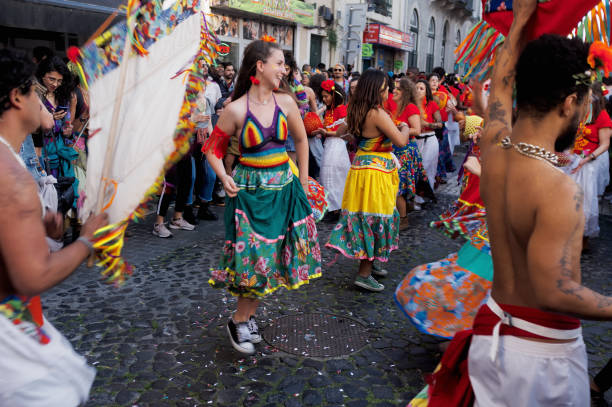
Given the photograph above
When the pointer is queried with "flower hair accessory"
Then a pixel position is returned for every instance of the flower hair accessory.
(328, 85)
(268, 38)
(584, 78)
(254, 80)
(600, 57)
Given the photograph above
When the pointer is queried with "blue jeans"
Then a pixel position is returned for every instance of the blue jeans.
(209, 181)
(31, 160)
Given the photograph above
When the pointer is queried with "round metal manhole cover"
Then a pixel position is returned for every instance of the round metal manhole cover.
(316, 335)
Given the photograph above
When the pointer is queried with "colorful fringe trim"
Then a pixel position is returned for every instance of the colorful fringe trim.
(109, 241)
(477, 51)
(596, 25)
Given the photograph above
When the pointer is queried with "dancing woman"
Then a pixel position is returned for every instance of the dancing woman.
(270, 234)
(591, 162)
(335, 164)
(411, 169)
(369, 223)
(430, 121)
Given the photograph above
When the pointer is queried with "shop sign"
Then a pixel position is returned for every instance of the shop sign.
(224, 49)
(296, 11)
(367, 51)
(381, 34)
(399, 65)
(370, 34)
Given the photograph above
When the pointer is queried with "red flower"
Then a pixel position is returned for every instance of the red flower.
(328, 85)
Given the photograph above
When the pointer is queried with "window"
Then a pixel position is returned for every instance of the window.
(382, 7)
(414, 30)
(443, 50)
(431, 43)
(458, 38)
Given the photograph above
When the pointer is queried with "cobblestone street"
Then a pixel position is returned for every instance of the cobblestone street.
(160, 340)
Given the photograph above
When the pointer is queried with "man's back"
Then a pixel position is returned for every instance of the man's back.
(519, 193)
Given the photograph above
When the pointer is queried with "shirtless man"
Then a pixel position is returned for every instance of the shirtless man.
(39, 367)
(535, 220)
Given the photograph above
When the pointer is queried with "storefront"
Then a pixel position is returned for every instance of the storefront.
(385, 48)
(238, 22)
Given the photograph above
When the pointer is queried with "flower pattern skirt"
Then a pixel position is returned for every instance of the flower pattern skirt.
(411, 169)
(369, 223)
(270, 232)
(443, 297)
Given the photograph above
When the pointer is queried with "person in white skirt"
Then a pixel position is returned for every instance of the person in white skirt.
(336, 163)
(430, 121)
(39, 366)
(590, 161)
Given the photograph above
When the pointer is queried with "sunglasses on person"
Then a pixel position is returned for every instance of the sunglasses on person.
(338, 69)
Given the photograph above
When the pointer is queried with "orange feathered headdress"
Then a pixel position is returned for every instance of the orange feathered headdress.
(268, 38)
(600, 57)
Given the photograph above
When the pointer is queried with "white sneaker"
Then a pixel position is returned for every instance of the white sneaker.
(418, 200)
(181, 223)
(254, 330)
(240, 337)
(160, 230)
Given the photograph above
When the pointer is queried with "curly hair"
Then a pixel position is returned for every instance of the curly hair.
(408, 95)
(315, 84)
(64, 91)
(16, 72)
(545, 74)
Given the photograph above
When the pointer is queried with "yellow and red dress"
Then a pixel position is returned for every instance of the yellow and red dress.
(369, 223)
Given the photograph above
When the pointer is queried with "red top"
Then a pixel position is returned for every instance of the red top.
(333, 116)
(588, 140)
(428, 114)
(410, 110)
(390, 105)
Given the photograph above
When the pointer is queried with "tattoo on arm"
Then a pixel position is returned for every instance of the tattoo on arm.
(566, 268)
(497, 112)
(508, 80)
(579, 198)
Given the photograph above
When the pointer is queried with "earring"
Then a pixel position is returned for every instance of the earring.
(254, 80)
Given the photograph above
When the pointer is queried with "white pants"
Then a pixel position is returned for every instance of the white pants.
(334, 169)
(35, 375)
(429, 149)
(588, 177)
(528, 373)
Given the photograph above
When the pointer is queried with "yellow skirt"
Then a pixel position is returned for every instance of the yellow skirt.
(369, 225)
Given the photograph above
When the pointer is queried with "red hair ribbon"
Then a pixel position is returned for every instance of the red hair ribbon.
(217, 142)
(254, 80)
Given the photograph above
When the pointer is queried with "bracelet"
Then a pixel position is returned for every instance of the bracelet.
(86, 242)
(592, 155)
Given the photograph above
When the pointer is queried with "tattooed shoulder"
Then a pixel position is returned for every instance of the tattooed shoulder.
(578, 198)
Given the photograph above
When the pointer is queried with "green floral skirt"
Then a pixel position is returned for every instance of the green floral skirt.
(271, 237)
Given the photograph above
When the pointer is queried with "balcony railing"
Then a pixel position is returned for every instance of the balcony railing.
(382, 7)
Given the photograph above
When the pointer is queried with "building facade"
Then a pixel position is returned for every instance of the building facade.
(396, 34)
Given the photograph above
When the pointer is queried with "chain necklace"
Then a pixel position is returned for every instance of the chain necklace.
(257, 102)
(17, 156)
(532, 151)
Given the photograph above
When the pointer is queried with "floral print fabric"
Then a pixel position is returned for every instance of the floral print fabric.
(271, 235)
(411, 170)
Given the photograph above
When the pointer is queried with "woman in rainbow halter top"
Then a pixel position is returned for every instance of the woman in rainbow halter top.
(270, 234)
(369, 223)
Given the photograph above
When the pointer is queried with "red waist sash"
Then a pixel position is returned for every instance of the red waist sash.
(450, 385)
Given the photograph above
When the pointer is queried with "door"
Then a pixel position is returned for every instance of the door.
(315, 50)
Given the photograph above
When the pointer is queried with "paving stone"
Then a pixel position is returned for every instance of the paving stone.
(311, 398)
(166, 324)
(228, 397)
(333, 395)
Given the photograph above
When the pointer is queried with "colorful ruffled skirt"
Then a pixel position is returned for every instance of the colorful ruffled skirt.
(443, 297)
(270, 234)
(411, 169)
(369, 223)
